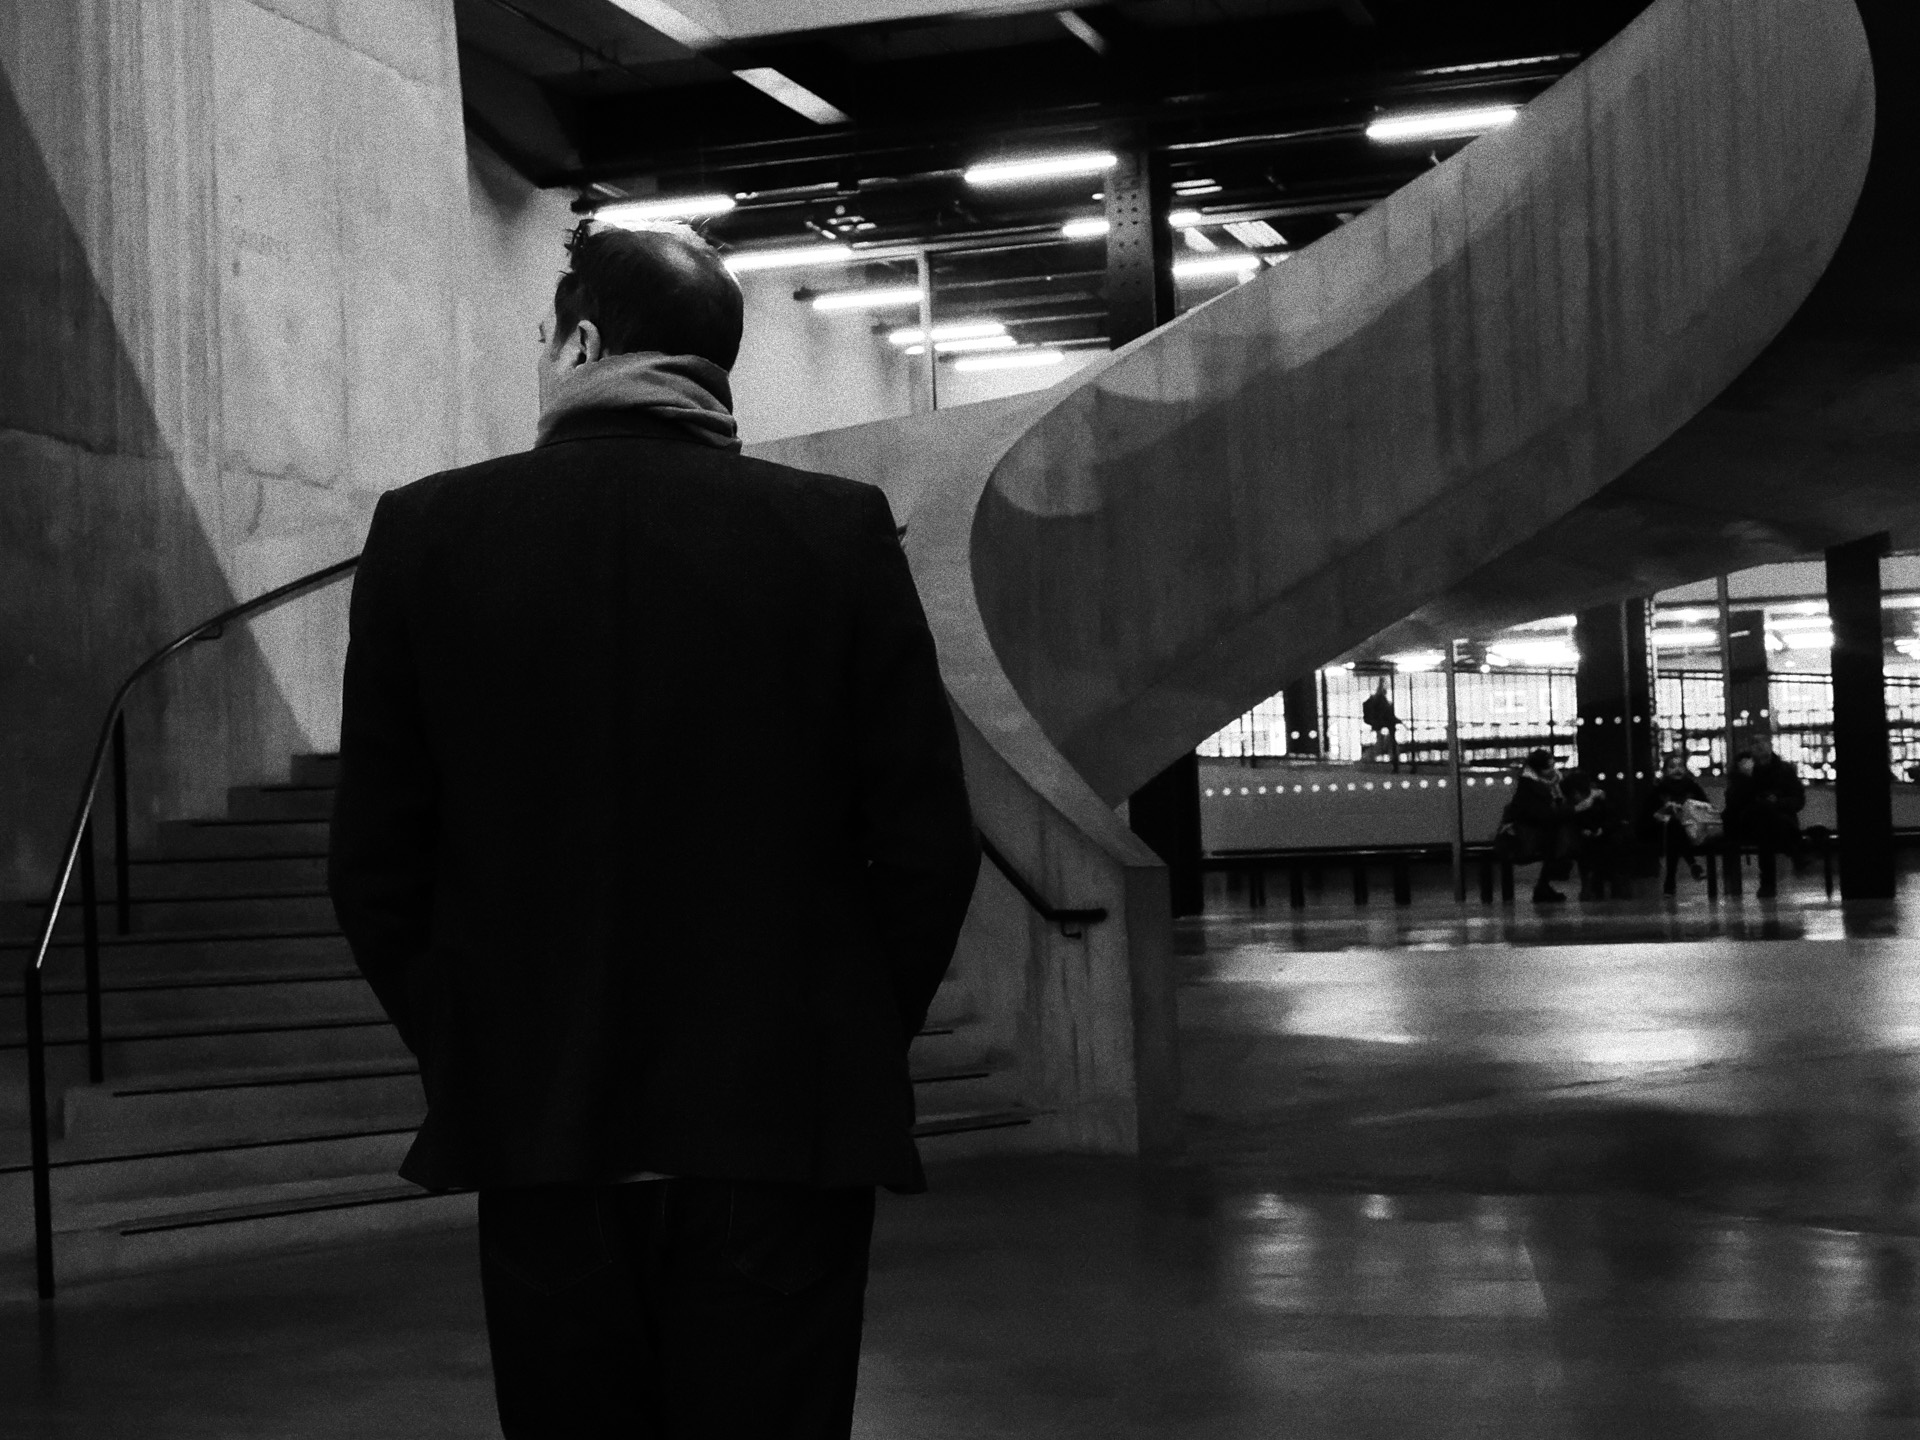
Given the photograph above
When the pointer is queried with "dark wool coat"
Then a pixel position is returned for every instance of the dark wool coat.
(651, 835)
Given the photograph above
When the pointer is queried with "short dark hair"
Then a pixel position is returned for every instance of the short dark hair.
(1540, 760)
(664, 290)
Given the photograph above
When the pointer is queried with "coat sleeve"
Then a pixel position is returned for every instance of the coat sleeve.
(915, 824)
(380, 861)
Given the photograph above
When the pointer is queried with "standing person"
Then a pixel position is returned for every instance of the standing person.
(1543, 819)
(1764, 801)
(1666, 817)
(661, 999)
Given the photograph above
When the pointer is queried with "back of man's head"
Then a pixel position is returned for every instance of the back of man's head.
(662, 288)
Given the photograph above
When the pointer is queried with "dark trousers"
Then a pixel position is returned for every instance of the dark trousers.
(1679, 846)
(675, 1309)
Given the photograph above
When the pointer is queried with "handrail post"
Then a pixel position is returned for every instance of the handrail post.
(90, 930)
(123, 900)
(37, 1117)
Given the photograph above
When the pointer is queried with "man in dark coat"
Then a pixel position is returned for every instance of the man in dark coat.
(1764, 801)
(652, 839)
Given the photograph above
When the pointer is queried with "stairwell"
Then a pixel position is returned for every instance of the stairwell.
(255, 1097)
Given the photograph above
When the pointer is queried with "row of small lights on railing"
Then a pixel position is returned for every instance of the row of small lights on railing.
(1358, 785)
(1450, 124)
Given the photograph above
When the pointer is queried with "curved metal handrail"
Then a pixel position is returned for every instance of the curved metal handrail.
(79, 848)
(205, 630)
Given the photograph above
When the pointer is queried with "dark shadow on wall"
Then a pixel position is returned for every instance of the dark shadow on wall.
(103, 558)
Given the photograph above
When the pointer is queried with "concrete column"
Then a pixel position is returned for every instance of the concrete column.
(1615, 694)
(1748, 707)
(1863, 763)
(1165, 812)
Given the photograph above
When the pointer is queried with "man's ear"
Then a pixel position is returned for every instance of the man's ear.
(586, 342)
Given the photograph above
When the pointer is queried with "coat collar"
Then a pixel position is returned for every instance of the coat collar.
(619, 423)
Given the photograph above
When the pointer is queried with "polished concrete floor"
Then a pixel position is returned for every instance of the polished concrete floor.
(1625, 1171)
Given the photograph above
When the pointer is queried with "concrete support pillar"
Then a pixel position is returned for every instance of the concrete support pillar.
(1748, 708)
(1301, 702)
(1863, 762)
(1615, 694)
(1165, 812)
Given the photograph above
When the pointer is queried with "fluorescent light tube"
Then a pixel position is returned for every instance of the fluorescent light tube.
(1040, 167)
(623, 213)
(1534, 652)
(670, 22)
(786, 259)
(1086, 229)
(1415, 660)
(1686, 639)
(958, 330)
(1255, 234)
(1183, 219)
(868, 299)
(1442, 124)
(972, 342)
(1012, 360)
(1238, 263)
(1552, 622)
(1186, 188)
(792, 94)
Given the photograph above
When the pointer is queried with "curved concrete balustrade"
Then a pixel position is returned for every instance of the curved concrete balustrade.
(1117, 566)
(1286, 471)
(1816, 443)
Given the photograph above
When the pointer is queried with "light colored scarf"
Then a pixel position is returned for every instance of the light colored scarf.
(682, 389)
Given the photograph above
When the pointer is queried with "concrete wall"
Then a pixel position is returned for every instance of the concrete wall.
(801, 370)
(233, 249)
(519, 237)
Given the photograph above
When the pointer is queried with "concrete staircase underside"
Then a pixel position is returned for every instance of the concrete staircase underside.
(256, 1099)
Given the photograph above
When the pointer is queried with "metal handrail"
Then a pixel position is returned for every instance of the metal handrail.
(79, 848)
(1064, 916)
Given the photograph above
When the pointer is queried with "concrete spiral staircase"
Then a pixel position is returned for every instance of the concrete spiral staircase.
(256, 1099)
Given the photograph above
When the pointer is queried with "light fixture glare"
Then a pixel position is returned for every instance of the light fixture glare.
(1441, 124)
(879, 299)
(1039, 167)
(1086, 229)
(789, 258)
(1012, 360)
(624, 214)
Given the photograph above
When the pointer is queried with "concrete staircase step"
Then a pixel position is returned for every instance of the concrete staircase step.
(279, 802)
(153, 877)
(313, 1042)
(321, 768)
(965, 1090)
(134, 1009)
(307, 909)
(186, 839)
(177, 1231)
(195, 1166)
(257, 1102)
(181, 959)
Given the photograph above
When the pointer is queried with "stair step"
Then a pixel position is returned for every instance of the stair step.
(311, 1043)
(226, 1003)
(179, 1231)
(187, 839)
(306, 909)
(316, 769)
(180, 959)
(154, 877)
(211, 1165)
(279, 802)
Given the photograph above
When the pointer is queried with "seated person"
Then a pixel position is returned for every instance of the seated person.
(1591, 820)
(1542, 820)
(1664, 814)
(1764, 801)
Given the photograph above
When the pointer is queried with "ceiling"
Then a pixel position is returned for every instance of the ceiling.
(1258, 106)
